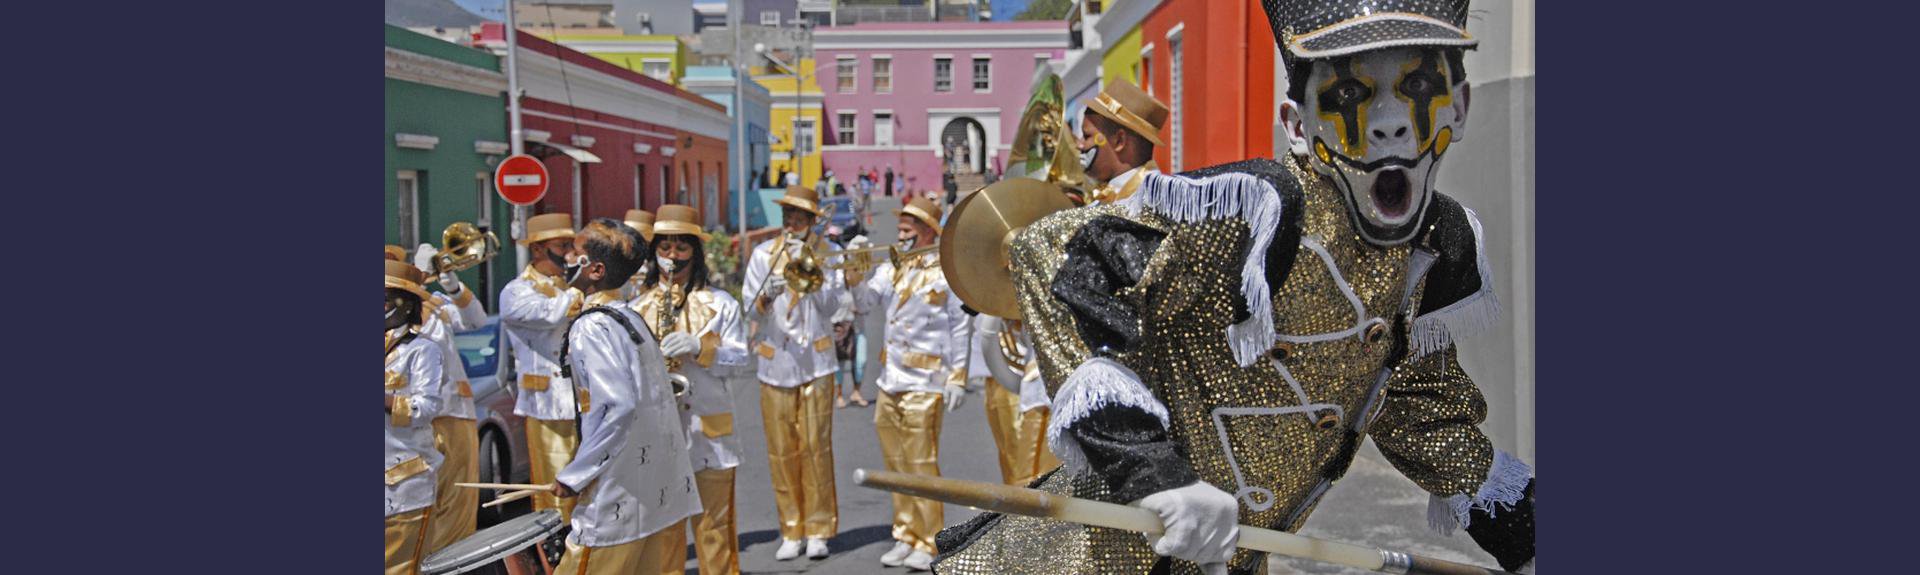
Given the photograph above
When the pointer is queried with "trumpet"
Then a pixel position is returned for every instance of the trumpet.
(462, 246)
(862, 260)
(803, 271)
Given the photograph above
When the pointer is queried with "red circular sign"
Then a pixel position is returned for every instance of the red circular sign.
(521, 179)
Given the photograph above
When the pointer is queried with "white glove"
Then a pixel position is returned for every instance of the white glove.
(859, 241)
(450, 283)
(679, 343)
(776, 285)
(1202, 524)
(955, 395)
(423, 257)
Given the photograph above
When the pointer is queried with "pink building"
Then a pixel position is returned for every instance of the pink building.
(928, 97)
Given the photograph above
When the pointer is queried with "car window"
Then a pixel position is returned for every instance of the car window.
(477, 349)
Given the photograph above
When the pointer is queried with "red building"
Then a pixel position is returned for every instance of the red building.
(615, 139)
(1212, 62)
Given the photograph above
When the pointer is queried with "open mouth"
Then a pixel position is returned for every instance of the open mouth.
(1392, 192)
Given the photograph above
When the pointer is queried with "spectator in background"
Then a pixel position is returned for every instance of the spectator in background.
(888, 188)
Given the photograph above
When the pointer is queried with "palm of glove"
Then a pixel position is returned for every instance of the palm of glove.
(1202, 524)
(678, 344)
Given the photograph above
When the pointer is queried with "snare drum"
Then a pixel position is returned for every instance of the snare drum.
(493, 543)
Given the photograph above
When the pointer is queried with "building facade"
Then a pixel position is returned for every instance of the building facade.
(662, 57)
(1212, 63)
(928, 98)
(613, 138)
(795, 121)
(716, 83)
(647, 17)
(446, 129)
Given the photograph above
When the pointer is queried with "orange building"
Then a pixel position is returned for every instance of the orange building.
(1212, 63)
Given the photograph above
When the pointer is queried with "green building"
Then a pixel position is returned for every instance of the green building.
(446, 128)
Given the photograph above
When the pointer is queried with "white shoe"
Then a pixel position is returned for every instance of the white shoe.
(816, 549)
(920, 561)
(894, 556)
(789, 548)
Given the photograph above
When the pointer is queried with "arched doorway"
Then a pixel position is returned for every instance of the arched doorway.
(963, 145)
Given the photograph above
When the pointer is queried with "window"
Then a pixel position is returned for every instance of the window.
(803, 137)
(846, 129)
(661, 70)
(484, 182)
(882, 75)
(883, 128)
(680, 196)
(408, 213)
(639, 185)
(847, 79)
(1173, 86)
(666, 182)
(1146, 71)
(943, 74)
(769, 17)
(982, 74)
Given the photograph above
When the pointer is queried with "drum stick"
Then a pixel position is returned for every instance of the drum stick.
(1037, 503)
(515, 496)
(507, 486)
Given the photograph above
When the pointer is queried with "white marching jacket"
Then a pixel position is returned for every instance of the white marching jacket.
(413, 378)
(631, 469)
(928, 335)
(707, 410)
(795, 339)
(446, 316)
(534, 311)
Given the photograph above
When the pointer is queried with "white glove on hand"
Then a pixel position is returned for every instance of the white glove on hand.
(679, 343)
(776, 285)
(1202, 524)
(450, 283)
(423, 258)
(955, 395)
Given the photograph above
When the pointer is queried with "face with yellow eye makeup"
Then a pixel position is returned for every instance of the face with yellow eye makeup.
(1377, 124)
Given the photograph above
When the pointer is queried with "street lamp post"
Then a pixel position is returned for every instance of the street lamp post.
(514, 133)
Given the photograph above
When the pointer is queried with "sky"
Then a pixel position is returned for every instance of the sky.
(1003, 10)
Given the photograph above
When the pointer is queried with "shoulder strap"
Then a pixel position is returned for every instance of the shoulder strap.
(566, 342)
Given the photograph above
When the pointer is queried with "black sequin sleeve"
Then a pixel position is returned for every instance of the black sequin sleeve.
(1129, 448)
(1107, 255)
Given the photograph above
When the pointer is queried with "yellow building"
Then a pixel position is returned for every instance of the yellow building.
(660, 56)
(796, 108)
(1122, 59)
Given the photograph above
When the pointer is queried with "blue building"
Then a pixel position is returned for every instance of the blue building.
(716, 83)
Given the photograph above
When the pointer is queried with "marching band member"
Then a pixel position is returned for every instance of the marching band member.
(642, 221)
(534, 311)
(1117, 140)
(1016, 401)
(631, 482)
(702, 335)
(795, 345)
(414, 377)
(924, 369)
(453, 309)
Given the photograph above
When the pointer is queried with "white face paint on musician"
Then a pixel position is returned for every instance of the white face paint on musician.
(1377, 124)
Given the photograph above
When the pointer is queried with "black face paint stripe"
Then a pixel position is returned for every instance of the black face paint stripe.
(1423, 103)
(1349, 111)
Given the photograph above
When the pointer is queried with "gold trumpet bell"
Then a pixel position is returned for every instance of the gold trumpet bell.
(462, 246)
(803, 273)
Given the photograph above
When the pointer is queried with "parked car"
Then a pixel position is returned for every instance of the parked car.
(840, 211)
(503, 435)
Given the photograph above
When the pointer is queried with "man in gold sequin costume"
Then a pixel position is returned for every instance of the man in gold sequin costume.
(1218, 346)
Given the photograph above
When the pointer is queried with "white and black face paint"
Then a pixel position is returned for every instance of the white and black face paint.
(575, 267)
(1377, 124)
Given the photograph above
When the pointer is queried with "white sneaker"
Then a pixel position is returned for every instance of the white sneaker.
(919, 561)
(816, 549)
(894, 556)
(789, 548)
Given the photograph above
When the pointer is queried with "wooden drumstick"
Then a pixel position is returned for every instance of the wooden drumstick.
(1036, 503)
(506, 486)
(515, 496)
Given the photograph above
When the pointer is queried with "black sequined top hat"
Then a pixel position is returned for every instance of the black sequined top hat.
(1315, 29)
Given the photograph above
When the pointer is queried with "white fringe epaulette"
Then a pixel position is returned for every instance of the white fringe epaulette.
(1471, 315)
(1098, 383)
(1506, 483)
(1230, 195)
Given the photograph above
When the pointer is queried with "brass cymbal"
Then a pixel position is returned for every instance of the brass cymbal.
(980, 228)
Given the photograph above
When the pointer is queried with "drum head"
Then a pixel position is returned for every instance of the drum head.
(493, 543)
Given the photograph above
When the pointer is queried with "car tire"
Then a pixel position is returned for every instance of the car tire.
(496, 466)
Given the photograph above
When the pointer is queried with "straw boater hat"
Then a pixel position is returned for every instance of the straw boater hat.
(802, 198)
(641, 220)
(680, 220)
(545, 227)
(403, 275)
(1315, 29)
(924, 210)
(396, 253)
(1124, 103)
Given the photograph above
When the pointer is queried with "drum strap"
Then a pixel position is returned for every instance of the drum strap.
(566, 367)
